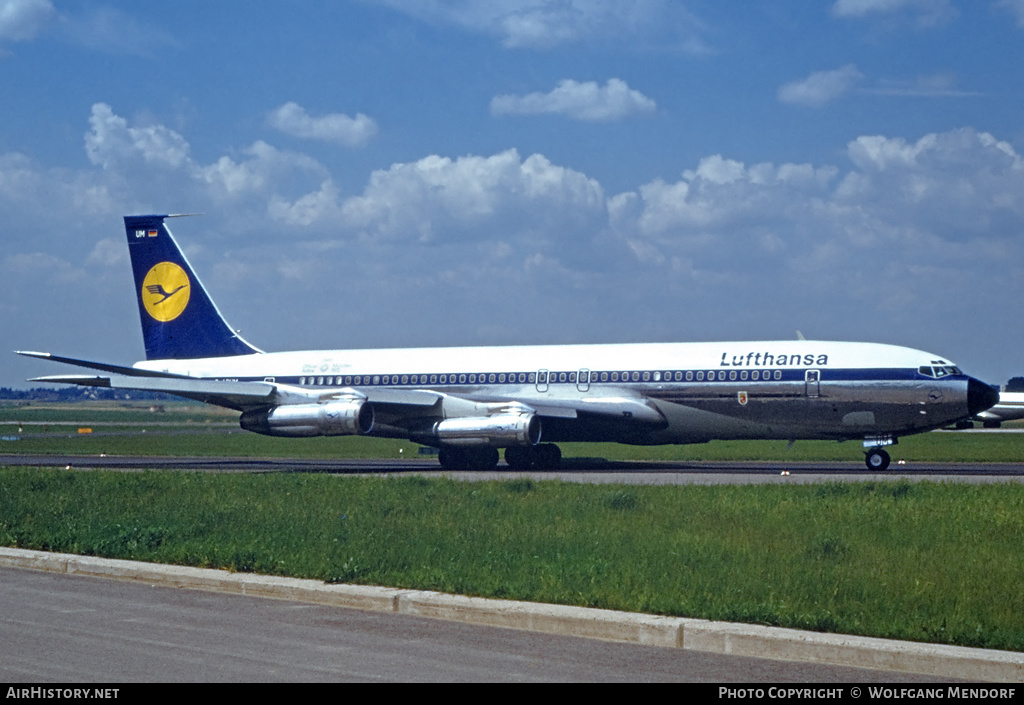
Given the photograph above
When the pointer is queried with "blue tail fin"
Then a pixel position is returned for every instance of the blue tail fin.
(179, 320)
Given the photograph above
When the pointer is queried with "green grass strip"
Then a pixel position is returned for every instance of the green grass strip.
(931, 562)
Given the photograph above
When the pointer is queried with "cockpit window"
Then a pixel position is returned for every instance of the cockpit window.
(939, 371)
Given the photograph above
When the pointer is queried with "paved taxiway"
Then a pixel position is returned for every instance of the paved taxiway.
(69, 628)
(594, 470)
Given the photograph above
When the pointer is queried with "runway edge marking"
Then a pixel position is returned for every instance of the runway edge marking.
(610, 625)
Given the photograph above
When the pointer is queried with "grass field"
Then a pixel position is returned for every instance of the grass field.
(197, 430)
(923, 561)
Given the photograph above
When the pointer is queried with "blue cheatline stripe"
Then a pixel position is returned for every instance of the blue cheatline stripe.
(603, 377)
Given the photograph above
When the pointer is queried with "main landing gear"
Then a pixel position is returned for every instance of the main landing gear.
(546, 456)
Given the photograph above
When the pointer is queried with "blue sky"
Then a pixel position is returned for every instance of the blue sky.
(390, 173)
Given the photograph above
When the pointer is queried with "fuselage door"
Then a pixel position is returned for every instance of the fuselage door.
(812, 383)
(583, 380)
(542, 380)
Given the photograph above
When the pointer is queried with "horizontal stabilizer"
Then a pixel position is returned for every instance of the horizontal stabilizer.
(102, 366)
(234, 395)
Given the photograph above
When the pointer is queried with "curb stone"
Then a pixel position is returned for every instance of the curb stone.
(649, 630)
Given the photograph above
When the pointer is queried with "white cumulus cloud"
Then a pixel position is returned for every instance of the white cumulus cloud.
(442, 198)
(579, 101)
(821, 87)
(928, 12)
(542, 24)
(337, 128)
(21, 20)
(110, 140)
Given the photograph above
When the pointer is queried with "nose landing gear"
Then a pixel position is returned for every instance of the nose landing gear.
(877, 459)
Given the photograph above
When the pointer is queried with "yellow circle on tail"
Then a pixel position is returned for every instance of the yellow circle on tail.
(165, 291)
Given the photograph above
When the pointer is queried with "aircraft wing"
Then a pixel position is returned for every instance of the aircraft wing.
(247, 395)
(396, 408)
(233, 395)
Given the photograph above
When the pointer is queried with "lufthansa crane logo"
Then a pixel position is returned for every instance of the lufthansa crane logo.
(165, 291)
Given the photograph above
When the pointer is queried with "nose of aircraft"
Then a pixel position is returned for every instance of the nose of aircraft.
(980, 396)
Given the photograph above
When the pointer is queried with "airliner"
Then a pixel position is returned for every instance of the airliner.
(469, 402)
(1010, 407)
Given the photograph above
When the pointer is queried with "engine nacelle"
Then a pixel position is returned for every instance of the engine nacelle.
(349, 417)
(498, 431)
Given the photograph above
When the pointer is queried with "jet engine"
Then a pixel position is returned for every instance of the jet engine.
(346, 417)
(497, 431)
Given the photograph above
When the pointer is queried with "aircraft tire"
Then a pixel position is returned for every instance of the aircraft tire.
(456, 459)
(483, 458)
(519, 457)
(547, 456)
(877, 460)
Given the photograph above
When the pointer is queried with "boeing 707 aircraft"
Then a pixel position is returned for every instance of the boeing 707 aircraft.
(1010, 407)
(470, 402)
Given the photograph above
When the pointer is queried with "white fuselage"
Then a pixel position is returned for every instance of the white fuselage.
(642, 393)
(1009, 408)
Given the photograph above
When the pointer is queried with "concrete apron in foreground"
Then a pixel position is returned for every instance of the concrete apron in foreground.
(649, 630)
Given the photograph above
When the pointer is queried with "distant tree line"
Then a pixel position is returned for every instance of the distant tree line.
(68, 394)
(1016, 384)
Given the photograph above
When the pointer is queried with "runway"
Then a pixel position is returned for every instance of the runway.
(590, 470)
